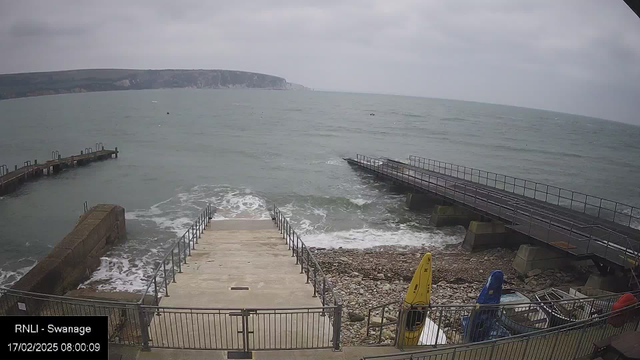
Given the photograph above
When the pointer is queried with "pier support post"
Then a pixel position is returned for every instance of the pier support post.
(609, 282)
(397, 188)
(421, 201)
(482, 235)
(451, 216)
(531, 257)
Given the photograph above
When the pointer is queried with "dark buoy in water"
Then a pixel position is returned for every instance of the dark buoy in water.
(167, 113)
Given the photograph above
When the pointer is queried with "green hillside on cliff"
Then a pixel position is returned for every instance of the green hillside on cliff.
(88, 80)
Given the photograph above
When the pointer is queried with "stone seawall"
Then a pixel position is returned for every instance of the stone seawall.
(78, 254)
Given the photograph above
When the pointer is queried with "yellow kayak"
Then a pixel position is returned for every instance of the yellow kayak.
(417, 298)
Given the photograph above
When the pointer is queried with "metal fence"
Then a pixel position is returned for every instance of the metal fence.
(244, 329)
(241, 329)
(541, 224)
(176, 256)
(615, 211)
(569, 341)
(125, 321)
(458, 324)
(322, 286)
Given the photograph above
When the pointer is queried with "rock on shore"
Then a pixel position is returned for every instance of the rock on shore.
(364, 278)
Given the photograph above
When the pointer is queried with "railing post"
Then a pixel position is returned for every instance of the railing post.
(578, 347)
(315, 281)
(438, 329)
(493, 347)
(555, 342)
(337, 324)
(384, 309)
(301, 259)
(144, 329)
(164, 272)
(173, 266)
(155, 290)
(324, 294)
(179, 258)
(197, 232)
(307, 263)
(184, 249)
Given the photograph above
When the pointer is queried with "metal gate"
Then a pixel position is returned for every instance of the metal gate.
(241, 330)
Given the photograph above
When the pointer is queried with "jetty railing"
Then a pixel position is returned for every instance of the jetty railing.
(610, 210)
(542, 225)
(569, 341)
(176, 256)
(463, 323)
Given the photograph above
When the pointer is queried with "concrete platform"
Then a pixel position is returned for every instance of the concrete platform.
(241, 253)
(241, 264)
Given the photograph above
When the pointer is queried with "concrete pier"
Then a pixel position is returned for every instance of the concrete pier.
(597, 229)
(452, 216)
(531, 257)
(10, 181)
(417, 201)
(482, 235)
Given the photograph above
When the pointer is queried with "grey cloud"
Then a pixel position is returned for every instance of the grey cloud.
(28, 28)
(576, 56)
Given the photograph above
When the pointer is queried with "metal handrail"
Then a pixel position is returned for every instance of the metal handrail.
(578, 325)
(456, 190)
(476, 175)
(240, 308)
(572, 305)
(476, 306)
(635, 248)
(300, 251)
(184, 245)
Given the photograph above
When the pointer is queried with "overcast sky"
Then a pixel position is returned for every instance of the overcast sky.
(578, 56)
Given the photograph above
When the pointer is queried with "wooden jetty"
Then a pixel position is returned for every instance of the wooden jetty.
(11, 180)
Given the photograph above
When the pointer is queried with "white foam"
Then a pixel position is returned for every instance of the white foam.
(366, 237)
(360, 201)
(119, 274)
(172, 217)
(336, 162)
(9, 277)
(129, 266)
(240, 204)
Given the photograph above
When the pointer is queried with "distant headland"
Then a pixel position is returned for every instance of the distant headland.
(89, 80)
